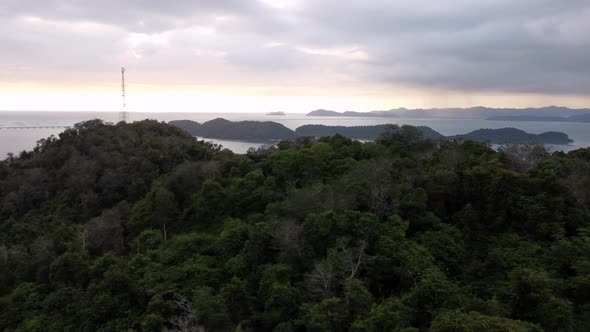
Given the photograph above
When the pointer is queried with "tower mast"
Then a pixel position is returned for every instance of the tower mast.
(123, 117)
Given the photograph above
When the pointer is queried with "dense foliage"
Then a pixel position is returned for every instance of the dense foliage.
(140, 227)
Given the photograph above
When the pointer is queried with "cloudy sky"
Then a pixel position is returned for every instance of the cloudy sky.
(293, 55)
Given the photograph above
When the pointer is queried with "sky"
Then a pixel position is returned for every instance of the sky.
(293, 55)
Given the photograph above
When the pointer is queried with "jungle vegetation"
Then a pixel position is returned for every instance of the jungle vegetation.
(140, 227)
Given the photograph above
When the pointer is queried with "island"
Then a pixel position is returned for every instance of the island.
(240, 131)
(514, 136)
(322, 112)
(267, 131)
(280, 113)
(360, 132)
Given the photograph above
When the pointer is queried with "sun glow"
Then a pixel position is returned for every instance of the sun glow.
(252, 99)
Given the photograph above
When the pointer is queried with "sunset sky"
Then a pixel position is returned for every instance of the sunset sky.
(293, 55)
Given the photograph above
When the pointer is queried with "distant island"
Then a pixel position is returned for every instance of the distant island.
(479, 112)
(321, 112)
(572, 118)
(241, 131)
(271, 131)
(513, 135)
(276, 113)
(359, 132)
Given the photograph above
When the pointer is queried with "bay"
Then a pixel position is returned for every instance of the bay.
(16, 140)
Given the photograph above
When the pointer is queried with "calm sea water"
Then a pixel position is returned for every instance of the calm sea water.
(16, 140)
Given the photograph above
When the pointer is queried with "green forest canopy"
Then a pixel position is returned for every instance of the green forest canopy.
(140, 227)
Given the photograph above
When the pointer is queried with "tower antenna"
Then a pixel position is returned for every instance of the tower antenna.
(123, 116)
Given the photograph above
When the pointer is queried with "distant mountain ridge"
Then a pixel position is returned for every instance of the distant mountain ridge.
(471, 112)
(572, 118)
(272, 131)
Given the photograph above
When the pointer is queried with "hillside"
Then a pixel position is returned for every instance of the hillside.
(139, 227)
(189, 126)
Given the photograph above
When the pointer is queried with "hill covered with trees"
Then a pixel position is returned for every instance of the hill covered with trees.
(139, 227)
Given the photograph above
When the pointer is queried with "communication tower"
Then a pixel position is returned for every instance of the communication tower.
(123, 116)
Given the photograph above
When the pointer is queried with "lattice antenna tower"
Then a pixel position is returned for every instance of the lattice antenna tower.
(123, 116)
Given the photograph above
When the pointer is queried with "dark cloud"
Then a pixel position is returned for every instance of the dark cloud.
(136, 15)
(539, 46)
(523, 46)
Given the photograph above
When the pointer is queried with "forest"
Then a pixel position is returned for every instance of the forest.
(140, 227)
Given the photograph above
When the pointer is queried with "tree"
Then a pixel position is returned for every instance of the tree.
(209, 204)
(456, 321)
(158, 209)
(186, 320)
(390, 315)
(328, 315)
(524, 157)
(69, 269)
(322, 279)
(288, 237)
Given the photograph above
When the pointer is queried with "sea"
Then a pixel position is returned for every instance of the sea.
(19, 138)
